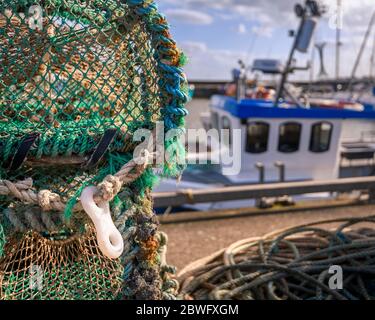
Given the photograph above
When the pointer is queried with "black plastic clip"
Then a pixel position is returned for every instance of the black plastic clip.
(22, 151)
(101, 148)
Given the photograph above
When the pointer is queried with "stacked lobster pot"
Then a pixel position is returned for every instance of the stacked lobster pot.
(78, 80)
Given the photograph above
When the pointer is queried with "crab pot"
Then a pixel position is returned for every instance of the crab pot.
(78, 78)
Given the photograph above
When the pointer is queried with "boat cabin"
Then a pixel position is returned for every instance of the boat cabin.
(290, 143)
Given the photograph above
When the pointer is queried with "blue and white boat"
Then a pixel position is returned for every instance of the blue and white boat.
(282, 139)
(316, 143)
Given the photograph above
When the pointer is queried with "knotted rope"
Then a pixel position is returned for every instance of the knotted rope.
(107, 189)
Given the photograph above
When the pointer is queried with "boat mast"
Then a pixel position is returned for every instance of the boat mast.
(320, 47)
(360, 53)
(307, 13)
(372, 61)
(338, 37)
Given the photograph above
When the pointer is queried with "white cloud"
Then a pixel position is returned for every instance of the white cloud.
(266, 16)
(279, 13)
(271, 11)
(209, 64)
(189, 16)
(263, 31)
(242, 28)
(192, 46)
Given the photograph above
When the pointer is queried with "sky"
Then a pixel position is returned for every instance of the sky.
(215, 34)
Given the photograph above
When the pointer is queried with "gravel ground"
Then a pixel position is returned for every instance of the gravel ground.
(194, 240)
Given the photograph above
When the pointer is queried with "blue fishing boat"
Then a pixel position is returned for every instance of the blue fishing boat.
(280, 137)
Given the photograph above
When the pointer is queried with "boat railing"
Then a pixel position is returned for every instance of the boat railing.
(222, 194)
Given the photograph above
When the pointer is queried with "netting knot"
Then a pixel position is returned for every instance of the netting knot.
(45, 197)
(110, 187)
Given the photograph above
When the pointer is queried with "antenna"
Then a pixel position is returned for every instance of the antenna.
(320, 47)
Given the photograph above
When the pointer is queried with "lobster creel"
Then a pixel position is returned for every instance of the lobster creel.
(78, 80)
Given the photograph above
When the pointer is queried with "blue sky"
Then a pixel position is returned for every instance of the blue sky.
(216, 33)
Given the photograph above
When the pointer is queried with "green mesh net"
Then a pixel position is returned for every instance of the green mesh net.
(78, 78)
(64, 273)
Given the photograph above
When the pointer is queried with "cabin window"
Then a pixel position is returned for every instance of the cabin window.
(226, 125)
(321, 134)
(257, 137)
(289, 137)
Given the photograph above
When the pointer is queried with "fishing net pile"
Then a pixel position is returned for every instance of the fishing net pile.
(78, 78)
(301, 263)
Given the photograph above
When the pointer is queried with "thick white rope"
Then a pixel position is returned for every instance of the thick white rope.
(107, 189)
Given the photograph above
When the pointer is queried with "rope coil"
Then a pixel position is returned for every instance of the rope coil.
(291, 264)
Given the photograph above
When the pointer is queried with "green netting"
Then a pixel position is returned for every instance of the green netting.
(70, 72)
(59, 274)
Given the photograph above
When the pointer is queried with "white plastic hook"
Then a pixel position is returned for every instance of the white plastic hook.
(109, 238)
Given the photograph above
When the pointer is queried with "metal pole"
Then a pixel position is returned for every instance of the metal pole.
(338, 37)
(360, 53)
(166, 199)
(284, 76)
(320, 47)
(372, 62)
(260, 167)
(281, 166)
(312, 69)
(241, 82)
